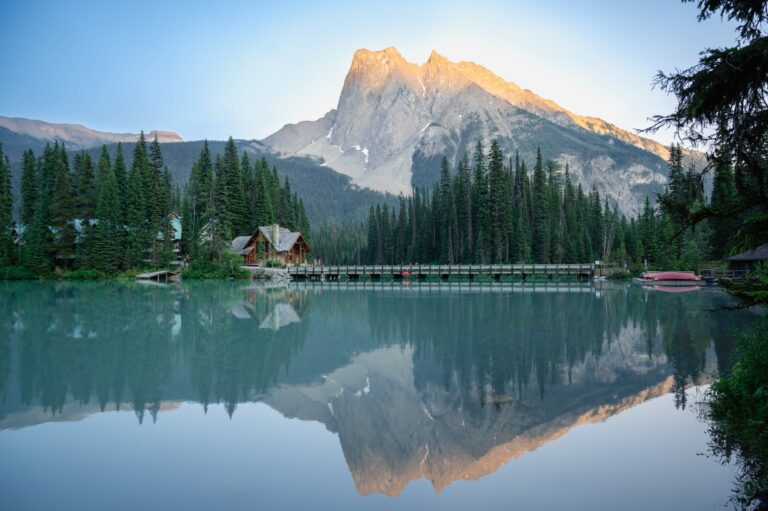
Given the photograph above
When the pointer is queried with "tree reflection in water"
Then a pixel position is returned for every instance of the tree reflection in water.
(480, 374)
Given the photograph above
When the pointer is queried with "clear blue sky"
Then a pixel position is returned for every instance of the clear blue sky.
(210, 70)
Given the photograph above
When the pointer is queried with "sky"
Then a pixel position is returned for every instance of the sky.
(246, 68)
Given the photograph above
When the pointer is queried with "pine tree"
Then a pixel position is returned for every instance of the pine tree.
(47, 172)
(482, 245)
(29, 187)
(104, 166)
(386, 236)
(304, 226)
(61, 208)
(139, 206)
(523, 233)
(249, 191)
(157, 193)
(498, 202)
(166, 227)
(6, 212)
(153, 182)
(647, 232)
(556, 213)
(370, 255)
(596, 222)
(201, 196)
(677, 182)
(724, 198)
(541, 234)
(121, 178)
(666, 248)
(571, 251)
(38, 247)
(234, 213)
(463, 199)
(108, 232)
(84, 206)
(288, 211)
(264, 213)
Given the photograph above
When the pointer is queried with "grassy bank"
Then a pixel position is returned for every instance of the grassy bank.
(738, 410)
(21, 273)
(738, 402)
(226, 267)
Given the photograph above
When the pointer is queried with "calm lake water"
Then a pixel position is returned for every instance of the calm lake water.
(234, 396)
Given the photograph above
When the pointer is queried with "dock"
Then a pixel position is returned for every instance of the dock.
(442, 271)
(159, 276)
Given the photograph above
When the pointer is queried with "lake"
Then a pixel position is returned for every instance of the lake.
(231, 395)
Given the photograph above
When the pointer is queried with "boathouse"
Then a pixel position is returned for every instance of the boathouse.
(742, 263)
(272, 242)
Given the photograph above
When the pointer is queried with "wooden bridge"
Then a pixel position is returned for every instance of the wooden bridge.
(159, 276)
(715, 274)
(442, 271)
(426, 287)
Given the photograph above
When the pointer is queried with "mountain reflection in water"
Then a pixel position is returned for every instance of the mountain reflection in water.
(446, 382)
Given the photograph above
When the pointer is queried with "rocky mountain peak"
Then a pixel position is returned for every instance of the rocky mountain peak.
(384, 56)
(396, 120)
(372, 69)
(436, 59)
(440, 74)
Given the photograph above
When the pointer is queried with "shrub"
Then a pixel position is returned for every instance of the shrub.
(738, 408)
(226, 267)
(754, 289)
(16, 273)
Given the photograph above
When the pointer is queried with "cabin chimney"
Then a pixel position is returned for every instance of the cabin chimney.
(274, 233)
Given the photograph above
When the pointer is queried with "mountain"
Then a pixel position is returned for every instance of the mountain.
(393, 124)
(18, 134)
(395, 120)
(329, 196)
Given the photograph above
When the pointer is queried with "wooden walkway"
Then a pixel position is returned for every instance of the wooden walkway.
(443, 271)
(715, 274)
(439, 287)
(158, 276)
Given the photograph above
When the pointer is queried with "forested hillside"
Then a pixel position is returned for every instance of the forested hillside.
(493, 209)
(329, 197)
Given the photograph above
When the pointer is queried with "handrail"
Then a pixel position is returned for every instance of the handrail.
(459, 268)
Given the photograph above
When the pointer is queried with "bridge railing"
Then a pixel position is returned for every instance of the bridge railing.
(721, 273)
(436, 269)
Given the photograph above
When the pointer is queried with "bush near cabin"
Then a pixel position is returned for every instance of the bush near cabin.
(227, 266)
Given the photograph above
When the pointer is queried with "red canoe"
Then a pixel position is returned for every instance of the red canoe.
(657, 276)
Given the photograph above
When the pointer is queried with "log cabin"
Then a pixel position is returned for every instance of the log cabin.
(272, 242)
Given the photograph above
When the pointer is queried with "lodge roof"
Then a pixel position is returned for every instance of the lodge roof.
(285, 241)
(757, 254)
(239, 243)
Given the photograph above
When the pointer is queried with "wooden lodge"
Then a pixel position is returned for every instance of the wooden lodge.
(747, 260)
(272, 242)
